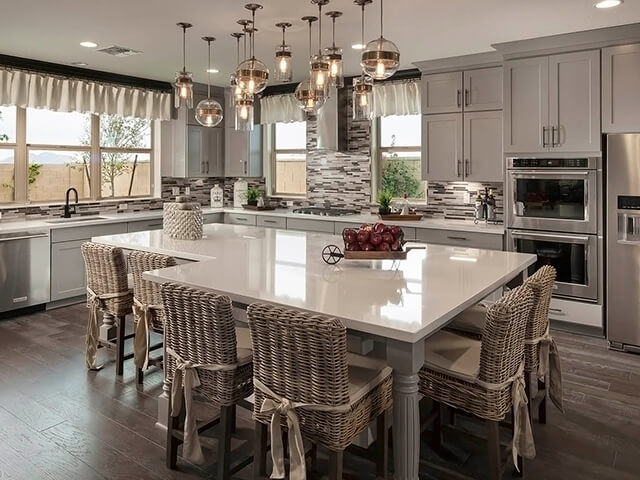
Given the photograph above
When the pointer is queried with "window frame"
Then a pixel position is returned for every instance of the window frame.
(21, 160)
(377, 151)
(271, 154)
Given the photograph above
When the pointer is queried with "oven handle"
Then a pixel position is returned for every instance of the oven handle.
(535, 173)
(551, 236)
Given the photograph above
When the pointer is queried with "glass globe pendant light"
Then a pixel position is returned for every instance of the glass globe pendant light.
(381, 58)
(183, 83)
(309, 99)
(283, 57)
(244, 113)
(362, 86)
(233, 81)
(334, 55)
(209, 111)
(319, 65)
(252, 75)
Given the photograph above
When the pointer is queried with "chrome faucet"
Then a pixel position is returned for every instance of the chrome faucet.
(67, 209)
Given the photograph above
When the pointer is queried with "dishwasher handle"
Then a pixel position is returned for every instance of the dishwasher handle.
(8, 238)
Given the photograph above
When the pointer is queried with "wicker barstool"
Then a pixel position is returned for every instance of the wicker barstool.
(209, 356)
(542, 362)
(148, 313)
(107, 292)
(306, 382)
(485, 378)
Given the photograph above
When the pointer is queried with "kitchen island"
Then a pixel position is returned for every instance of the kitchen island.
(397, 302)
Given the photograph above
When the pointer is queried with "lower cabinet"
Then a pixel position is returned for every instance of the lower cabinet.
(269, 221)
(213, 218)
(308, 225)
(456, 238)
(240, 219)
(143, 225)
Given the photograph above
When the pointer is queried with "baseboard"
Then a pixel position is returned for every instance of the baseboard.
(66, 302)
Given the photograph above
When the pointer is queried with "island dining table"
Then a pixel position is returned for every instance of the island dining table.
(397, 302)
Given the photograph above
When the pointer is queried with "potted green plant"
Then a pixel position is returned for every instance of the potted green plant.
(253, 194)
(384, 201)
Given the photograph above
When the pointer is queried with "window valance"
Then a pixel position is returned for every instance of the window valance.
(280, 109)
(35, 90)
(396, 98)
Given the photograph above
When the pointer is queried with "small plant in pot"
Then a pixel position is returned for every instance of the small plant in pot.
(384, 201)
(253, 194)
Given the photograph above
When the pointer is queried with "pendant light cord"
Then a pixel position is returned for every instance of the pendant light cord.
(319, 29)
(253, 34)
(309, 38)
(209, 71)
(184, 49)
(381, 17)
(362, 23)
(334, 33)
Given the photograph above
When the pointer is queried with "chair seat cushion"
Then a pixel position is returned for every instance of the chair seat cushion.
(244, 346)
(471, 320)
(454, 355)
(365, 374)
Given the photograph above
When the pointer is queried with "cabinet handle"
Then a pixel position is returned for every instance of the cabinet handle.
(467, 97)
(459, 167)
(467, 167)
(459, 98)
(544, 137)
(553, 136)
(458, 238)
(269, 221)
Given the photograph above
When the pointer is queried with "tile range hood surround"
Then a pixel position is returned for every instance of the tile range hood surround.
(332, 120)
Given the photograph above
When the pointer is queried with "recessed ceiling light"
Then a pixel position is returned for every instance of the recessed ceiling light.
(79, 64)
(88, 44)
(608, 3)
(212, 70)
(358, 46)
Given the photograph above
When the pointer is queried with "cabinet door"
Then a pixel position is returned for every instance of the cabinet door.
(215, 142)
(574, 101)
(68, 277)
(526, 105)
(483, 158)
(483, 89)
(236, 152)
(196, 151)
(620, 98)
(145, 225)
(442, 147)
(442, 93)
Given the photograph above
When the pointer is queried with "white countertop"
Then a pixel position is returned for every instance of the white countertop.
(404, 300)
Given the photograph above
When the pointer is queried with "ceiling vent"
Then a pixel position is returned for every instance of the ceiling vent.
(117, 51)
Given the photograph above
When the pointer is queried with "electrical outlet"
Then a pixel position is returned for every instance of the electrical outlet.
(187, 190)
(175, 191)
(467, 197)
(289, 203)
(123, 206)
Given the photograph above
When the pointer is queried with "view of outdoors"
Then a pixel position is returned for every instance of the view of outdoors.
(58, 146)
(400, 140)
(291, 158)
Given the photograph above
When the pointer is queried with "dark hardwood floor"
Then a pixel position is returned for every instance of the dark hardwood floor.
(58, 421)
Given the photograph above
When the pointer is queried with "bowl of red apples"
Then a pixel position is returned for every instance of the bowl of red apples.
(377, 241)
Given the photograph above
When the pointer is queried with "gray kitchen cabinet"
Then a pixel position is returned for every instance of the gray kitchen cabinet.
(441, 93)
(208, 218)
(526, 105)
(483, 160)
(456, 238)
(243, 150)
(442, 147)
(271, 221)
(308, 225)
(204, 151)
(620, 98)
(240, 219)
(483, 89)
(144, 225)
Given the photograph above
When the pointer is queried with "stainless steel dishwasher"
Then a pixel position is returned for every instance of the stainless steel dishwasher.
(24, 269)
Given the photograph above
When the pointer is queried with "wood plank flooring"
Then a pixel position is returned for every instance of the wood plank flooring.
(58, 421)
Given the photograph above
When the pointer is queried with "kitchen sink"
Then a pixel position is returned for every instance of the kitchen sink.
(85, 218)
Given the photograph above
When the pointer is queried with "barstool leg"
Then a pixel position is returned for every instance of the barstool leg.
(493, 444)
(260, 450)
(172, 441)
(120, 345)
(542, 409)
(335, 465)
(382, 446)
(224, 443)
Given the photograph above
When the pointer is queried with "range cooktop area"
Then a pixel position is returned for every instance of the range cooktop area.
(326, 211)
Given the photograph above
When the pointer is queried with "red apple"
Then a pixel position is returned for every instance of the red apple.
(352, 246)
(387, 237)
(379, 227)
(363, 236)
(367, 247)
(396, 246)
(396, 231)
(375, 239)
(350, 236)
(347, 232)
(384, 247)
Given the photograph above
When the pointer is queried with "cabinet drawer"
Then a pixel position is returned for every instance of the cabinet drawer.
(144, 225)
(487, 241)
(213, 218)
(305, 225)
(68, 278)
(239, 219)
(582, 313)
(86, 232)
(271, 222)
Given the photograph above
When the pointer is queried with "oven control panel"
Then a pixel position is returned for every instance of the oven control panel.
(628, 202)
(549, 163)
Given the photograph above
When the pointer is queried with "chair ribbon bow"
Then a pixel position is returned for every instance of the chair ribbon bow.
(185, 379)
(143, 314)
(549, 364)
(278, 406)
(95, 302)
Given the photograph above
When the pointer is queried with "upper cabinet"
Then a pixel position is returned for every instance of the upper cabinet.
(483, 146)
(243, 150)
(620, 98)
(552, 103)
(469, 91)
(483, 89)
(442, 143)
(441, 93)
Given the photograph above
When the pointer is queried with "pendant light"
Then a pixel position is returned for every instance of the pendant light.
(244, 101)
(334, 55)
(209, 111)
(319, 65)
(234, 82)
(252, 74)
(380, 58)
(309, 98)
(183, 84)
(283, 56)
(363, 85)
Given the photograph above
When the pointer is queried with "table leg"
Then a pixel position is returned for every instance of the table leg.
(163, 398)
(108, 328)
(406, 359)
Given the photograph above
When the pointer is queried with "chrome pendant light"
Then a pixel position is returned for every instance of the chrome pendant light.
(363, 85)
(244, 113)
(380, 58)
(252, 75)
(319, 65)
(334, 56)
(233, 81)
(284, 72)
(183, 83)
(209, 111)
(309, 99)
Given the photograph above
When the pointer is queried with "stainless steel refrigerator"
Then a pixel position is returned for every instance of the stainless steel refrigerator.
(623, 242)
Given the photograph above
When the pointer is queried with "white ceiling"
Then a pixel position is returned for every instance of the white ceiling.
(422, 29)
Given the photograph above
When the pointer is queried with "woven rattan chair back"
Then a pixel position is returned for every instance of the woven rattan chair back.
(199, 326)
(541, 284)
(107, 273)
(502, 347)
(146, 292)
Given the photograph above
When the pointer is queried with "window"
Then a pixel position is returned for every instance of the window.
(397, 159)
(288, 159)
(59, 150)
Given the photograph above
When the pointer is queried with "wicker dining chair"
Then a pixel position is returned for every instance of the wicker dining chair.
(107, 292)
(148, 313)
(485, 378)
(207, 356)
(542, 362)
(303, 375)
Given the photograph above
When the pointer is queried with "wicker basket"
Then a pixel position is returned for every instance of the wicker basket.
(182, 220)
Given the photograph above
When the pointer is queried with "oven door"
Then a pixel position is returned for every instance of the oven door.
(561, 201)
(575, 258)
